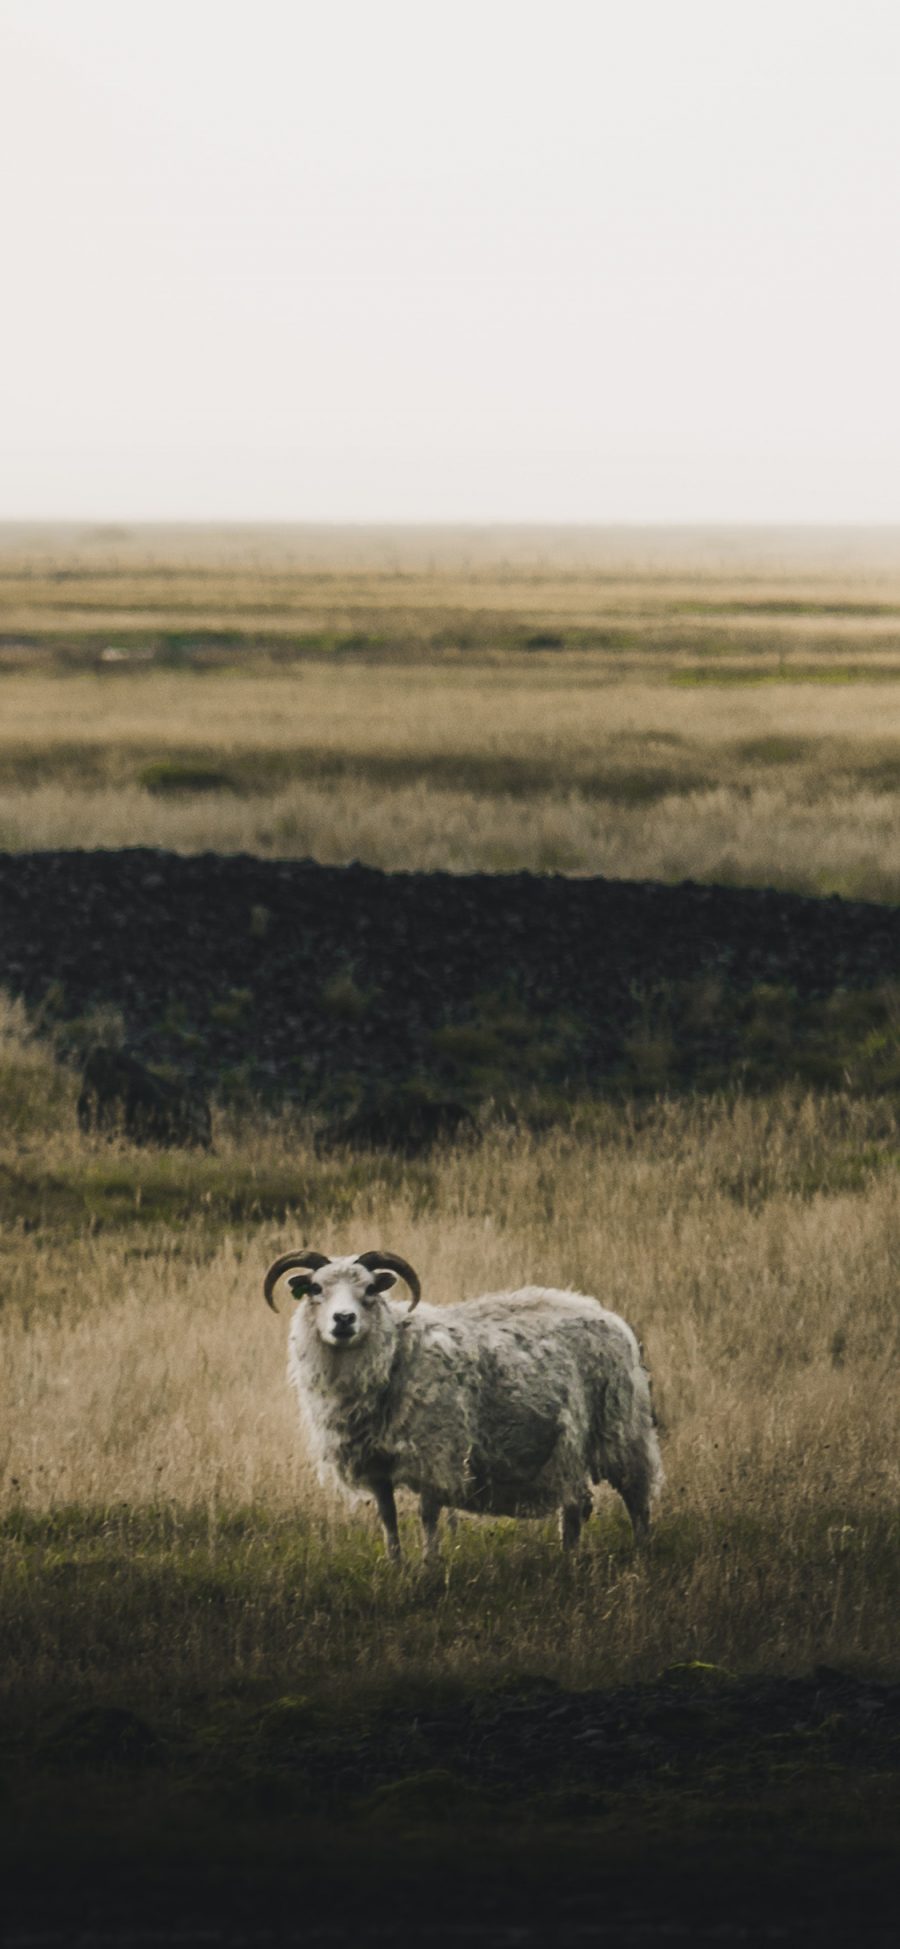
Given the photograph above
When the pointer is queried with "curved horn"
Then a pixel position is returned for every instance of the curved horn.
(310, 1260)
(389, 1260)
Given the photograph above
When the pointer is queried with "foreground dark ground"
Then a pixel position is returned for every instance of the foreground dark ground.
(699, 1806)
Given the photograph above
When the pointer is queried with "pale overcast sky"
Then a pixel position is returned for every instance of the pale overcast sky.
(550, 260)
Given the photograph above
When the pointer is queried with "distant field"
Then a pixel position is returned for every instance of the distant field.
(445, 586)
(713, 706)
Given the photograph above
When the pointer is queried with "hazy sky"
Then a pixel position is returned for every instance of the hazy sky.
(545, 260)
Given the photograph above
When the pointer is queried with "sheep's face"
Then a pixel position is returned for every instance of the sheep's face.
(344, 1298)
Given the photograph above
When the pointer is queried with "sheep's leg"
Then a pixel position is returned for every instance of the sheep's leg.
(635, 1493)
(387, 1510)
(571, 1517)
(570, 1520)
(638, 1509)
(430, 1511)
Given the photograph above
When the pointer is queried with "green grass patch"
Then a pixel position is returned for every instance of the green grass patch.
(786, 606)
(506, 1054)
(737, 675)
(111, 1604)
(109, 1187)
(174, 777)
(343, 998)
(775, 750)
(705, 1034)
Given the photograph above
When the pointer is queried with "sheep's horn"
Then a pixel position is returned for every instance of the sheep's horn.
(389, 1260)
(311, 1260)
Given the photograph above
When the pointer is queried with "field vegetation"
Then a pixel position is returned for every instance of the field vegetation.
(189, 1625)
(208, 1665)
(719, 707)
(162, 1531)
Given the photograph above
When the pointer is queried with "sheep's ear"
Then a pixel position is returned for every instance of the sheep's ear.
(300, 1285)
(383, 1281)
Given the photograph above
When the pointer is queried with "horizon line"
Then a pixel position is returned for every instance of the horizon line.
(639, 524)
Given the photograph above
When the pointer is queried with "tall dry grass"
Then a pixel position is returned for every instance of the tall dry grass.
(846, 843)
(161, 1527)
(548, 764)
(715, 704)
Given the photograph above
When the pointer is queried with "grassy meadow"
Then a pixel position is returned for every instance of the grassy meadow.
(208, 1667)
(720, 706)
(717, 707)
(162, 1532)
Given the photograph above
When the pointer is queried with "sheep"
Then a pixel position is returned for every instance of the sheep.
(512, 1404)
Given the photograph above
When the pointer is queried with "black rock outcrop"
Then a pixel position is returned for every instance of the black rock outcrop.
(299, 981)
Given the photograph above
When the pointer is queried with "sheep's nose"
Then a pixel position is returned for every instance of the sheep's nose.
(344, 1319)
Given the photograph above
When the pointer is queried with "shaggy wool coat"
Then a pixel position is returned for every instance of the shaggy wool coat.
(512, 1404)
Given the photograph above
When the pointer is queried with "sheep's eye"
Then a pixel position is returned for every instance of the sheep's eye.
(315, 1292)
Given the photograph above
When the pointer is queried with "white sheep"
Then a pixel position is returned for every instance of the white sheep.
(508, 1405)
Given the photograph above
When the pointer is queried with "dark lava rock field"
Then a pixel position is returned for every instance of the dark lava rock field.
(293, 981)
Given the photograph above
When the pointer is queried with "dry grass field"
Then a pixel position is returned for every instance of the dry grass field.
(721, 707)
(448, 584)
(211, 1676)
(161, 1529)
